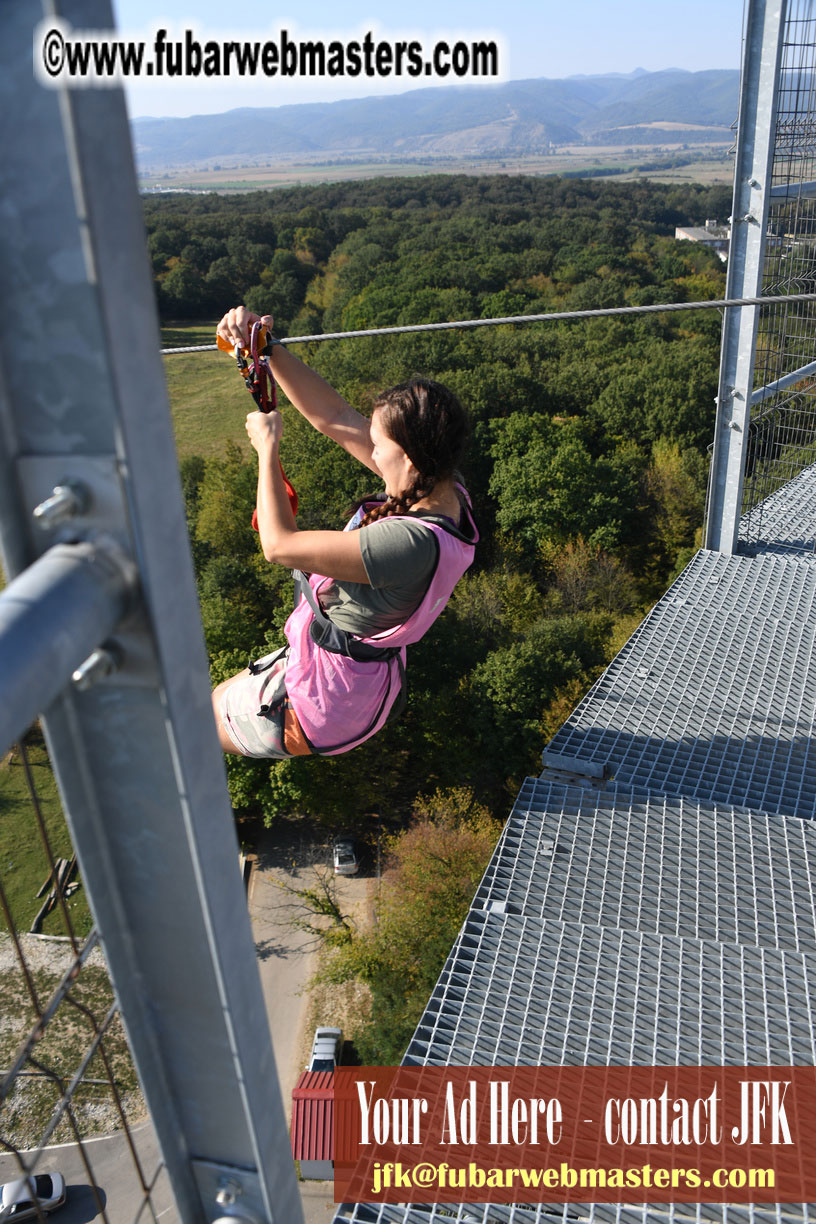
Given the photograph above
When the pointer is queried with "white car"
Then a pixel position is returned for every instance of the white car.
(326, 1048)
(17, 1197)
(346, 862)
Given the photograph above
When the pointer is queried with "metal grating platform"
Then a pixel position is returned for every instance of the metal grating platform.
(714, 696)
(520, 990)
(546, 1213)
(527, 991)
(662, 913)
(650, 863)
(549, 1213)
(785, 522)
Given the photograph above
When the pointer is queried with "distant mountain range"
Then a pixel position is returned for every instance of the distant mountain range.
(518, 118)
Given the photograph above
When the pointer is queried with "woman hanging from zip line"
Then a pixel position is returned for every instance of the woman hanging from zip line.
(365, 592)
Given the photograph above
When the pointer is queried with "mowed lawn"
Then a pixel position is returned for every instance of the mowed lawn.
(208, 398)
(24, 865)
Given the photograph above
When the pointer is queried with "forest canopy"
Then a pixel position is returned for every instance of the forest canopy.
(587, 461)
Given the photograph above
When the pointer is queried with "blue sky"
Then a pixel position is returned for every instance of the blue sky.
(540, 38)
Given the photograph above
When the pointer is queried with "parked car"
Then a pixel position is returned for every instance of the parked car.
(17, 1197)
(346, 862)
(326, 1047)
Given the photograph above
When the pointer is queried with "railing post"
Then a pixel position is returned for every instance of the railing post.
(752, 182)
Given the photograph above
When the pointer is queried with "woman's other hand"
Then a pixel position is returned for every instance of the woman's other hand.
(236, 325)
(264, 429)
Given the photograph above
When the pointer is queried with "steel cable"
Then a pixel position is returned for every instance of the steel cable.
(554, 316)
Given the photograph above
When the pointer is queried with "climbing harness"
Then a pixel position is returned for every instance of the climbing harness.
(258, 379)
(343, 688)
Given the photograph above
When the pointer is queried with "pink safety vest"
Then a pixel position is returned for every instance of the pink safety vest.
(340, 701)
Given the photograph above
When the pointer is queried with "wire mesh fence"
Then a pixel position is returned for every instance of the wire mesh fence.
(782, 433)
(66, 1074)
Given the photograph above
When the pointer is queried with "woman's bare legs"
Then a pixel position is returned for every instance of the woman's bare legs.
(226, 741)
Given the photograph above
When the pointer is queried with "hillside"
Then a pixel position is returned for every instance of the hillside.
(518, 118)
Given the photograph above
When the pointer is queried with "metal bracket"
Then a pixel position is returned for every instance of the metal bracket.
(103, 662)
(68, 499)
(573, 771)
(91, 504)
(230, 1194)
(91, 499)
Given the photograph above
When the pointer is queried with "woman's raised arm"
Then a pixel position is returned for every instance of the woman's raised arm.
(314, 399)
(336, 554)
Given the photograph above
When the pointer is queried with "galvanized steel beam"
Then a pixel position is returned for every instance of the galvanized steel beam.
(83, 401)
(752, 181)
(781, 384)
(794, 191)
(52, 617)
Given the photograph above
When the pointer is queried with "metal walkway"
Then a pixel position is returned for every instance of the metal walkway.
(714, 696)
(655, 864)
(783, 523)
(651, 900)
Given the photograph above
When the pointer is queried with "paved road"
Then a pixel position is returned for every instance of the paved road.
(286, 956)
(113, 1170)
(286, 959)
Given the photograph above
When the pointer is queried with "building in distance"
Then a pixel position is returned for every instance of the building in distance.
(711, 235)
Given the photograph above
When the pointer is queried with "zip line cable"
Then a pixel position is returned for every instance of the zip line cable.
(718, 303)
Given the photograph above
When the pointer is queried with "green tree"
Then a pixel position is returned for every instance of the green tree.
(311, 244)
(550, 487)
(510, 689)
(433, 868)
(675, 482)
(226, 497)
(183, 291)
(586, 578)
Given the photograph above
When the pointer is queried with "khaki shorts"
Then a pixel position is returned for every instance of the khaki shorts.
(257, 714)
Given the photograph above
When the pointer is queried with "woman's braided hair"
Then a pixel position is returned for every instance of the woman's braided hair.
(430, 424)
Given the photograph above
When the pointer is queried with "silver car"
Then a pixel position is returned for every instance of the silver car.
(346, 862)
(326, 1047)
(17, 1197)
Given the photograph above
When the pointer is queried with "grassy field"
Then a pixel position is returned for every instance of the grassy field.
(707, 164)
(207, 396)
(208, 399)
(28, 1108)
(23, 862)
